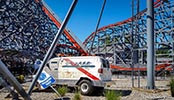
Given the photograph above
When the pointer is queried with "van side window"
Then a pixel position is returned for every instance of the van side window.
(105, 63)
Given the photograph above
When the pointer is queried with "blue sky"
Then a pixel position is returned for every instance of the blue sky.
(85, 15)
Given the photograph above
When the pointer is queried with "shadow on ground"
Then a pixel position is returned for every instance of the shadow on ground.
(122, 92)
(63, 98)
(96, 93)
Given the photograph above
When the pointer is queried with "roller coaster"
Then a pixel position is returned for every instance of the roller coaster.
(125, 43)
(27, 28)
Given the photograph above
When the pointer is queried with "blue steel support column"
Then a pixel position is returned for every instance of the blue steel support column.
(132, 49)
(150, 45)
(53, 45)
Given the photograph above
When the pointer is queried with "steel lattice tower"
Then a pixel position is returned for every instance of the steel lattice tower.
(27, 29)
(114, 41)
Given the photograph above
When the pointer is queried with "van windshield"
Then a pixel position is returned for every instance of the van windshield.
(105, 63)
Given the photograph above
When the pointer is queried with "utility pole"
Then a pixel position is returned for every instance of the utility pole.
(132, 50)
(150, 45)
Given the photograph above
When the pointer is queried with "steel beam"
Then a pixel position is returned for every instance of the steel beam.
(98, 22)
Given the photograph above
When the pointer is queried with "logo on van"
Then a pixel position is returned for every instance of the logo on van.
(83, 63)
(82, 69)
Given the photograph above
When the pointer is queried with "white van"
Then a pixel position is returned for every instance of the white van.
(87, 72)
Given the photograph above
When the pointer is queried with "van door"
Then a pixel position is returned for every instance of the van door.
(106, 75)
(52, 68)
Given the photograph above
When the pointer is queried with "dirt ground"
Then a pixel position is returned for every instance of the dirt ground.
(122, 85)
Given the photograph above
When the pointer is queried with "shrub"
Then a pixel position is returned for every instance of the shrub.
(171, 84)
(62, 90)
(20, 78)
(112, 95)
(77, 96)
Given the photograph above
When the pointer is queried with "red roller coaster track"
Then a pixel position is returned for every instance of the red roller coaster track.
(58, 24)
(157, 68)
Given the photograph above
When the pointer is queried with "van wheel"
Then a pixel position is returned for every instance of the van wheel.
(86, 87)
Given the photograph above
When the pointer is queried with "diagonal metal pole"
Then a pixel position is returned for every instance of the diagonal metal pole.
(9, 76)
(98, 22)
(53, 45)
(12, 92)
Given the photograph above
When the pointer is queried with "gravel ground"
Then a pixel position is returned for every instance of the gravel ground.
(123, 85)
